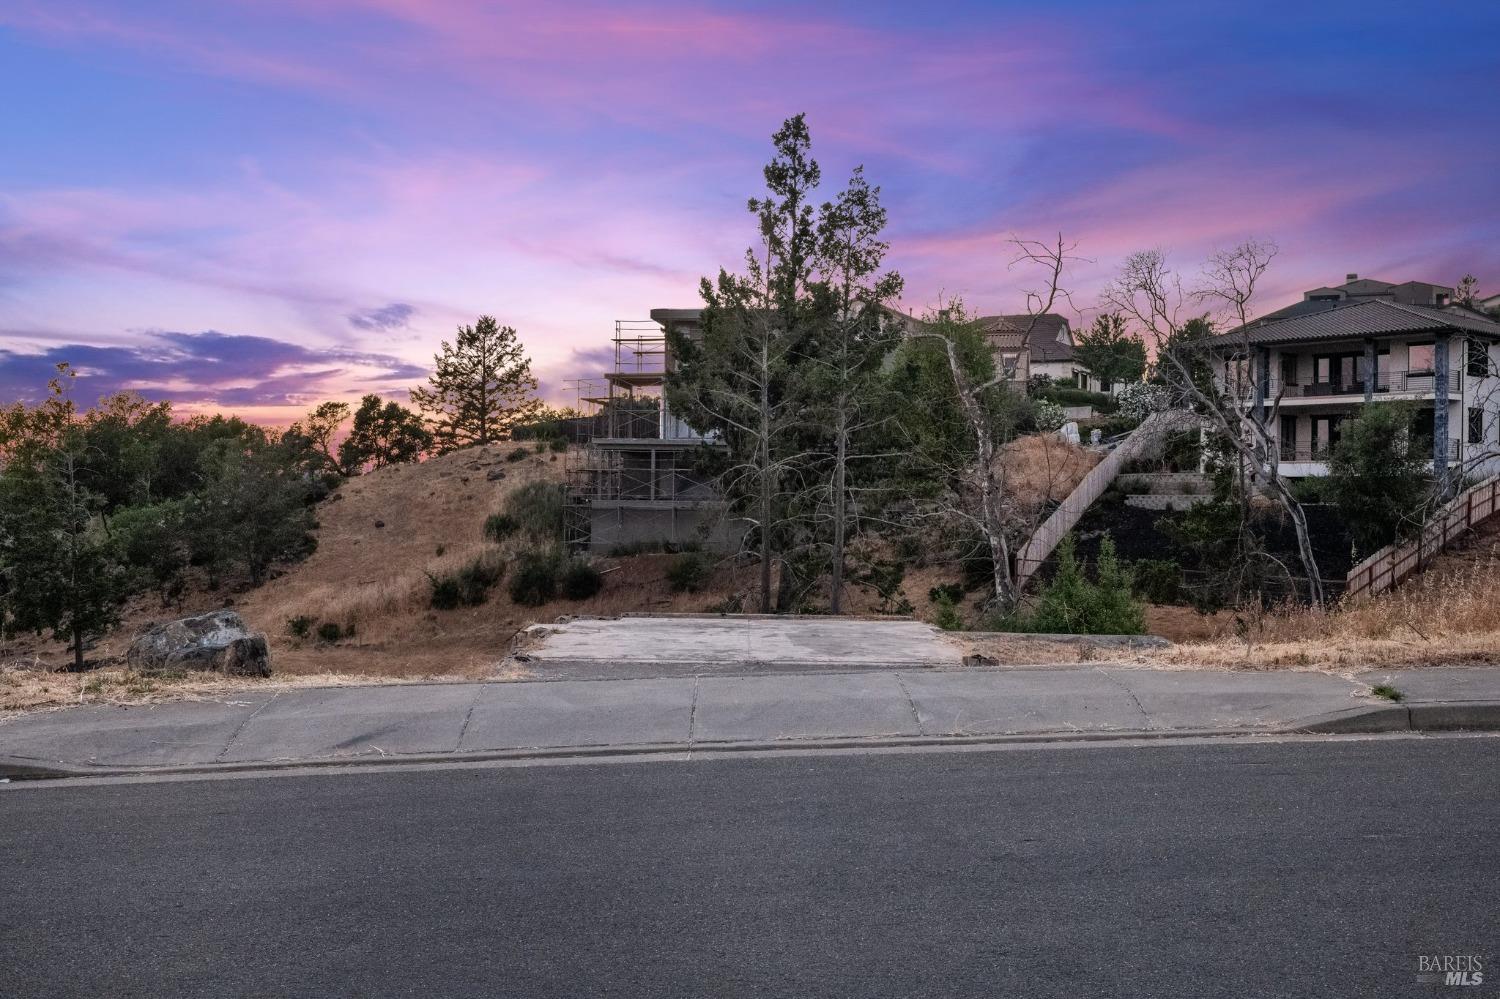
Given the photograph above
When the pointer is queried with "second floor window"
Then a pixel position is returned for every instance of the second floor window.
(1009, 365)
(1419, 358)
(1479, 359)
(1476, 426)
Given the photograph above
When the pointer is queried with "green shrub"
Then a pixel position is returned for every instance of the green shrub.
(499, 526)
(329, 632)
(445, 593)
(952, 591)
(1071, 605)
(1159, 581)
(476, 578)
(299, 626)
(947, 614)
(537, 510)
(1182, 451)
(519, 454)
(1312, 489)
(580, 580)
(689, 572)
(535, 579)
(559, 444)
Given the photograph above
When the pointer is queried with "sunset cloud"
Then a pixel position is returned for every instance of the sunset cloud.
(352, 179)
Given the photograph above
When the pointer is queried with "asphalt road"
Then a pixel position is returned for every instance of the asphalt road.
(1293, 869)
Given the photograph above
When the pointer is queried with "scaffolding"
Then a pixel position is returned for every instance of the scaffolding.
(638, 473)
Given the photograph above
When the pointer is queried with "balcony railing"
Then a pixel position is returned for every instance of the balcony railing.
(1321, 452)
(1402, 380)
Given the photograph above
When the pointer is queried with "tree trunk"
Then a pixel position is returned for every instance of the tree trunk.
(836, 583)
(765, 477)
(77, 650)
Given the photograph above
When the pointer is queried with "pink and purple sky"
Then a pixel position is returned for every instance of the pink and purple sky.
(254, 205)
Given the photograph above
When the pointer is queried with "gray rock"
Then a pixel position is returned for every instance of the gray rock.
(218, 641)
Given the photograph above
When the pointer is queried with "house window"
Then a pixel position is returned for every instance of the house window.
(1476, 426)
(1337, 374)
(1009, 364)
(1289, 369)
(1479, 359)
(1288, 438)
(1419, 358)
(1325, 435)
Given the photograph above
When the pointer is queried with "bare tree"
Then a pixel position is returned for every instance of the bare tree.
(988, 505)
(1237, 400)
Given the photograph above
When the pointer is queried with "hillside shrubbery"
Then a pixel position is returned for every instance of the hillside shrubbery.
(122, 498)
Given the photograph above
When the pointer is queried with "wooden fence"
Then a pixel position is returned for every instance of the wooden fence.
(1394, 563)
(1150, 434)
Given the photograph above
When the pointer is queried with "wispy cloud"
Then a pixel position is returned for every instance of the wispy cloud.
(395, 316)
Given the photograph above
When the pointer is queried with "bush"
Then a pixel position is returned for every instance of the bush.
(1158, 581)
(299, 626)
(329, 632)
(537, 511)
(535, 579)
(469, 586)
(1071, 605)
(947, 614)
(1311, 489)
(445, 593)
(519, 454)
(1048, 415)
(1139, 400)
(580, 580)
(559, 444)
(476, 578)
(499, 526)
(1183, 451)
(952, 591)
(689, 572)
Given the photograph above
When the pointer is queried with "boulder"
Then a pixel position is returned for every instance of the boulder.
(217, 641)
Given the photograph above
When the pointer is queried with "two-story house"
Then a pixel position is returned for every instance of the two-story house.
(1027, 346)
(1316, 362)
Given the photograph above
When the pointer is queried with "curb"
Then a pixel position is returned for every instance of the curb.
(1437, 716)
(1431, 717)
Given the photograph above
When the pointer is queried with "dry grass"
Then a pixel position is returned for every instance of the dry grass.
(22, 687)
(1450, 615)
(1043, 468)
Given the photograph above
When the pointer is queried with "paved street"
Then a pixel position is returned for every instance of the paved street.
(1268, 869)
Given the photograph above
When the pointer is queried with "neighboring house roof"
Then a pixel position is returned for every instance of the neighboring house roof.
(1046, 341)
(1358, 319)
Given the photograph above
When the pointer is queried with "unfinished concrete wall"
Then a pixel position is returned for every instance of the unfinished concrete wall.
(622, 524)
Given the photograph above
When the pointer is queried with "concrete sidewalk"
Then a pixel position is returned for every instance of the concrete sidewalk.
(698, 713)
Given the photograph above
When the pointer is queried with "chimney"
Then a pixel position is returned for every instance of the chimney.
(1351, 277)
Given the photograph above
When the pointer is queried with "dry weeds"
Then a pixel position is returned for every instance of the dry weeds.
(1450, 615)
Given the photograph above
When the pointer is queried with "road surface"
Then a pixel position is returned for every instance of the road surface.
(1245, 869)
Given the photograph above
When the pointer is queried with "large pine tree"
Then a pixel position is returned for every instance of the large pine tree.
(481, 387)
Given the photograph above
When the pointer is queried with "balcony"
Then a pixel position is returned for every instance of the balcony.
(1398, 381)
(1321, 452)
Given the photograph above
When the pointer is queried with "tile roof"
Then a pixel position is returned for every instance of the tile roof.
(1044, 344)
(1346, 320)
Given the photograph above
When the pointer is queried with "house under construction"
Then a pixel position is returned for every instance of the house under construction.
(634, 483)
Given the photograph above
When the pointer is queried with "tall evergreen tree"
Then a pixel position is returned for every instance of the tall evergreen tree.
(481, 386)
(734, 381)
(851, 339)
